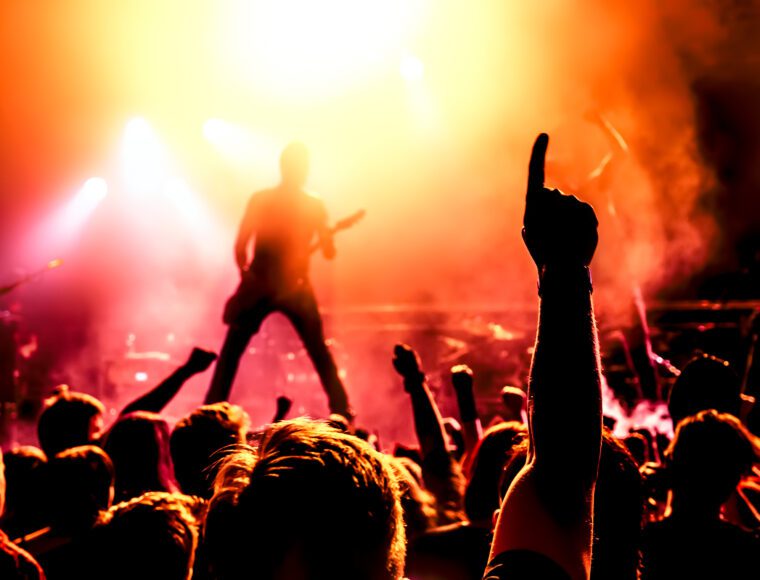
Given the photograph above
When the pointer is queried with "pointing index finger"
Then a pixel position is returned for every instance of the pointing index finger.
(536, 172)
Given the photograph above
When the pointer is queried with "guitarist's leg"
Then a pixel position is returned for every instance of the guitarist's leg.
(239, 334)
(303, 313)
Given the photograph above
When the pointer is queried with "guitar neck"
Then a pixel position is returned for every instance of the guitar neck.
(315, 245)
(343, 224)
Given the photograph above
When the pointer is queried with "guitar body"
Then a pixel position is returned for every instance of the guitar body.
(249, 293)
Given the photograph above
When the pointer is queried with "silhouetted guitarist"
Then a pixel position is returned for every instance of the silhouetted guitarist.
(283, 221)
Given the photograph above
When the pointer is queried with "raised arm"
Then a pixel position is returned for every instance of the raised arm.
(428, 423)
(440, 471)
(325, 236)
(548, 509)
(461, 379)
(284, 405)
(158, 397)
(245, 231)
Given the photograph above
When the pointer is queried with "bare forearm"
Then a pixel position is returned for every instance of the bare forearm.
(565, 381)
(468, 413)
(157, 398)
(428, 424)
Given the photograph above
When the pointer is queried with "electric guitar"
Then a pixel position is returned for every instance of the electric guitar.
(251, 288)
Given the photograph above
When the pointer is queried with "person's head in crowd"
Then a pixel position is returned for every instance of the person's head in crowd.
(312, 503)
(152, 536)
(618, 513)
(706, 382)
(24, 476)
(637, 445)
(417, 503)
(405, 452)
(709, 454)
(618, 508)
(493, 452)
(198, 439)
(80, 483)
(652, 452)
(138, 445)
(514, 402)
(69, 419)
(339, 422)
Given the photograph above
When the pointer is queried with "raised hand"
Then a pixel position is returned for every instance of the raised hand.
(560, 231)
(284, 405)
(472, 431)
(461, 377)
(407, 363)
(200, 360)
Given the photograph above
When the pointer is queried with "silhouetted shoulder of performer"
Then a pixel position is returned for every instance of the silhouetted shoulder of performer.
(284, 220)
(283, 224)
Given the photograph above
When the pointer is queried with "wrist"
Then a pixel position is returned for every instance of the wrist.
(187, 370)
(467, 409)
(414, 381)
(564, 278)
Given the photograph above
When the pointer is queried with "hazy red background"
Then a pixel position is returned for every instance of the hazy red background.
(437, 161)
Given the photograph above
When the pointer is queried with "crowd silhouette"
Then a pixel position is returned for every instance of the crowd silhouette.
(546, 493)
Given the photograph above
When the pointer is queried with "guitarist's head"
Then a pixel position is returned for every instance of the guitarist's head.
(294, 165)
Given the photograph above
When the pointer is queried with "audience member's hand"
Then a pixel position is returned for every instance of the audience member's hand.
(284, 405)
(461, 378)
(407, 364)
(200, 360)
(559, 230)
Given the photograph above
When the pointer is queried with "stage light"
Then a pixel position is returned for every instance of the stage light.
(186, 201)
(214, 130)
(144, 159)
(79, 209)
(412, 68)
(141, 377)
(94, 190)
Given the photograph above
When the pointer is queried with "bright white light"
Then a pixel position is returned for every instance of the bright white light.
(94, 190)
(412, 68)
(307, 48)
(79, 209)
(227, 137)
(186, 200)
(141, 377)
(243, 148)
(144, 159)
(214, 130)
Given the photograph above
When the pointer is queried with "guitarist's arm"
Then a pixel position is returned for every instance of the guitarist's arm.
(244, 236)
(325, 236)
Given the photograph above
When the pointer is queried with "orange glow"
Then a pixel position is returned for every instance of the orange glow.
(411, 108)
